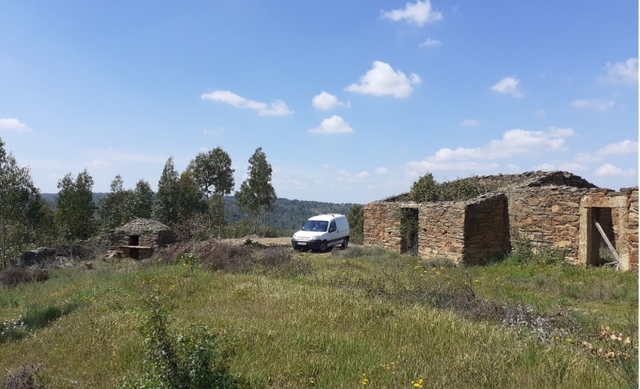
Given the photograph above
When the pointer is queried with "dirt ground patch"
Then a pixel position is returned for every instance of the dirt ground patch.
(269, 242)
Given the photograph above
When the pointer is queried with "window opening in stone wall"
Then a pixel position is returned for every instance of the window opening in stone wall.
(409, 231)
(598, 252)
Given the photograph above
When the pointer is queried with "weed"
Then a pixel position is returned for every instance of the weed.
(39, 316)
(437, 263)
(26, 377)
(617, 354)
(189, 260)
(12, 330)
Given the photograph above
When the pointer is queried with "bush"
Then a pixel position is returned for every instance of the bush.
(191, 360)
(275, 256)
(525, 251)
(360, 252)
(227, 257)
(19, 275)
(278, 260)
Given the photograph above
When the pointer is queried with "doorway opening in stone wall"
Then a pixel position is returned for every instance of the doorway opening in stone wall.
(409, 231)
(134, 240)
(598, 251)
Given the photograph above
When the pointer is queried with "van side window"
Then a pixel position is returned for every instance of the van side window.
(332, 226)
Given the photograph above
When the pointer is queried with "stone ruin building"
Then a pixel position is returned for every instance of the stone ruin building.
(556, 210)
(140, 237)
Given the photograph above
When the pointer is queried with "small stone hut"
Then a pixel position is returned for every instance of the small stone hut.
(549, 209)
(140, 237)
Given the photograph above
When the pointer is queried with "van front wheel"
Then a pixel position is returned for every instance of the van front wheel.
(345, 243)
(323, 246)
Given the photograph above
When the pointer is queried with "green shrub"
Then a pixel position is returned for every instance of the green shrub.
(191, 360)
(525, 251)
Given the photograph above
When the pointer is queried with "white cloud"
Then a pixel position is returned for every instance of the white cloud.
(508, 85)
(99, 164)
(276, 108)
(515, 142)
(327, 102)
(469, 123)
(13, 124)
(382, 80)
(430, 42)
(620, 148)
(333, 125)
(363, 174)
(418, 13)
(601, 105)
(610, 170)
(381, 170)
(569, 167)
(621, 73)
(613, 149)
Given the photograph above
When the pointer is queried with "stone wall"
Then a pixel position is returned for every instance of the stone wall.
(149, 233)
(547, 216)
(382, 225)
(469, 232)
(632, 226)
(441, 230)
(556, 210)
(505, 182)
(486, 229)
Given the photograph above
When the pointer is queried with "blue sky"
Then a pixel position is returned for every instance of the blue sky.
(350, 101)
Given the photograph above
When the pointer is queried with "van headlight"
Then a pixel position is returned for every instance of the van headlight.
(315, 238)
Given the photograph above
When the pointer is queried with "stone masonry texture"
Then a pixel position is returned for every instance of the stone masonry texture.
(555, 210)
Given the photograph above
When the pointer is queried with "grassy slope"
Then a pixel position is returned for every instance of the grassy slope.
(347, 320)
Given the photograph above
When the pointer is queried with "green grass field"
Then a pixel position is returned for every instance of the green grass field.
(351, 319)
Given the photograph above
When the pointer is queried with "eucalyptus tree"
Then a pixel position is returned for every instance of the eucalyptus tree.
(112, 209)
(20, 203)
(165, 203)
(140, 203)
(214, 176)
(356, 223)
(190, 202)
(256, 195)
(75, 209)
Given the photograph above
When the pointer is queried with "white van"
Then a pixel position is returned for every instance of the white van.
(322, 232)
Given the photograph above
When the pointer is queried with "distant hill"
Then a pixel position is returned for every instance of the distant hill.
(287, 214)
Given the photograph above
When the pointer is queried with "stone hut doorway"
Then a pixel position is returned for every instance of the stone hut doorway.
(134, 240)
(134, 243)
(611, 215)
(598, 252)
(409, 230)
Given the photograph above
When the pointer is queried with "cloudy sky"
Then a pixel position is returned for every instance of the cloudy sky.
(351, 101)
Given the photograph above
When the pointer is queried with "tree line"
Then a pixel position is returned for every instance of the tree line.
(191, 202)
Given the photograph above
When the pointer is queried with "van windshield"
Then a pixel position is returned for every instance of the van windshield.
(315, 225)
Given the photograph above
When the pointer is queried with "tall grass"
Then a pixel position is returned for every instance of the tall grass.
(359, 318)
